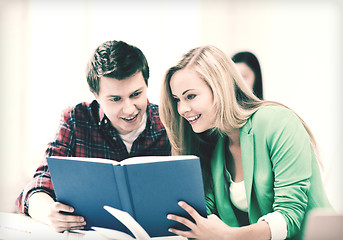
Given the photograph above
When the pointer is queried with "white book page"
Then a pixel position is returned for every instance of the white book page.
(128, 161)
(85, 159)
(124, 217)
(151, 159)
(111, 234)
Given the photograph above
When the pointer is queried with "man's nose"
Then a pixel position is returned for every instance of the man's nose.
(129, 107)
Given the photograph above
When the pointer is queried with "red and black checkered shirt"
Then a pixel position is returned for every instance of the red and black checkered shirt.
(85, 131)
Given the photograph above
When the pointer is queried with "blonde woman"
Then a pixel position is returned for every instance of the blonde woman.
(260, 170)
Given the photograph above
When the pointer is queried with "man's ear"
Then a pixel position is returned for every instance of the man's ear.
(96, 95)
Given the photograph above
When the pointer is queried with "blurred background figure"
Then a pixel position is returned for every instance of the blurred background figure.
(249, 67)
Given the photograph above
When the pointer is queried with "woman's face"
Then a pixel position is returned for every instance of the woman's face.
(194, 99)
(247, 74)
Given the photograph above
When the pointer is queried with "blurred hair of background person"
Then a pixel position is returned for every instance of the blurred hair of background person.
(249, 67)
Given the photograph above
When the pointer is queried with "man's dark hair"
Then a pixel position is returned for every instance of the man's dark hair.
(115, 59)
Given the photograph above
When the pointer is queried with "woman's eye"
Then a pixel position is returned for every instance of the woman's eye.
(191, 96)
(176, 100)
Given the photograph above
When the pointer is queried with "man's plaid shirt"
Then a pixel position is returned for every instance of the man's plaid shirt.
(85, 131)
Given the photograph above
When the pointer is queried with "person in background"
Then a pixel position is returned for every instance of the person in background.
(249, 67)
(260, 169)
(118, 124)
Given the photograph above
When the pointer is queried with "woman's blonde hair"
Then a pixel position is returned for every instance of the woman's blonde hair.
(234, 103)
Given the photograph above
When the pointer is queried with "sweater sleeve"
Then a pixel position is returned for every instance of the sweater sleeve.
(277, 225)
(41, 181)
(291, 154)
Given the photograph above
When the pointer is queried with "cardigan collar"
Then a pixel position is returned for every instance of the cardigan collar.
(247, 153)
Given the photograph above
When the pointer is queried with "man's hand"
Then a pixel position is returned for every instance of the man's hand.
(58, 215)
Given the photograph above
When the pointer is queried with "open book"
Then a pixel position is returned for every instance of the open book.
(137, 231)
(147, 188)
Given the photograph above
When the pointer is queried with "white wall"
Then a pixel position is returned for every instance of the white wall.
(45, 46)
(299, 44)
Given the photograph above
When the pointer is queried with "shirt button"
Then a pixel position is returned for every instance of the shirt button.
(99, 123)
(105, 121)
(114, 138)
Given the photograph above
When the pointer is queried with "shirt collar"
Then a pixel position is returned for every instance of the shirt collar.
(101, 114)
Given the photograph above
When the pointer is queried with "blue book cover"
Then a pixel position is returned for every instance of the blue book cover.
(148, 188)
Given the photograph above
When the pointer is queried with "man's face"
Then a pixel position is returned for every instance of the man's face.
(123, 101)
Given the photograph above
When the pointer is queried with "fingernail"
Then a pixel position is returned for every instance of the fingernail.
(169, 216)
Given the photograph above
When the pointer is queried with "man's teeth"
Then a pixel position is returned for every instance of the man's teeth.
(191, 119)
(129, 119)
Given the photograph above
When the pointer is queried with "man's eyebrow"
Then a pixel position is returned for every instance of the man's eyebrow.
(112, 95)
(137, 90)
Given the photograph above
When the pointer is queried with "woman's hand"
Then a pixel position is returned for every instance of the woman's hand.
(203, 228)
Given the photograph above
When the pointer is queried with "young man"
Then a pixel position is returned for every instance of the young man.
(120, 123)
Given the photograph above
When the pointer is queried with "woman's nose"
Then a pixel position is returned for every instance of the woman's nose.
(183, 108)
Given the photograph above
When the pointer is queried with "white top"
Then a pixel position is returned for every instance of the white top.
(275, 220)
(130, 137)
(238, 196)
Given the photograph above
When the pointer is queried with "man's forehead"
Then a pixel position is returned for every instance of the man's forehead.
(115, 87)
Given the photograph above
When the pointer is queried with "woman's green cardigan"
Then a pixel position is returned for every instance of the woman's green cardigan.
(281, 172)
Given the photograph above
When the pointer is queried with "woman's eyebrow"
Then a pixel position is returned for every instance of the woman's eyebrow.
(187, 91)
(183, 92)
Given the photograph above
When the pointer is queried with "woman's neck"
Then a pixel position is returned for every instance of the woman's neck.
(234, 138)
(235, 166)
(209, 136)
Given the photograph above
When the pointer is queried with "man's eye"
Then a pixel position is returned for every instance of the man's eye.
(135, 94)
(191, 96)
(115, 99)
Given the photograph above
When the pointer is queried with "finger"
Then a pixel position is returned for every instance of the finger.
(186, 234)
(76, 228)
(66, 228)
(181, 220)
(62, 214)
(60, 207)
(70, 218)
(62, 226)
(194, 214)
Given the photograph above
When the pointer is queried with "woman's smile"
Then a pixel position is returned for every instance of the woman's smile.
(194, 99)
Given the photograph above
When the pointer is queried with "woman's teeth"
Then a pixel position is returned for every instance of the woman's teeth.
(191, 119)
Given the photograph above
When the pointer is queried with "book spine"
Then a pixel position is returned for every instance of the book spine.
(123, 189)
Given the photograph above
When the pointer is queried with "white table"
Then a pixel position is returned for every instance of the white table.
(19, 227)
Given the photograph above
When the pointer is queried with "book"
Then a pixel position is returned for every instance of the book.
(138, 232)
(147, 187)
